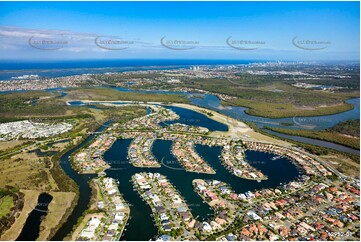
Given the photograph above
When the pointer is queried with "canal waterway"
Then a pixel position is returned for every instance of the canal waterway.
(303, 123)
(82, 180)
(140, 225)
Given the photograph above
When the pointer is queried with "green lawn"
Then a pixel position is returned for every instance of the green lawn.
(6, 203)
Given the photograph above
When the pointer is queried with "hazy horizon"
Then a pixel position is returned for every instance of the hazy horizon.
(287, 31)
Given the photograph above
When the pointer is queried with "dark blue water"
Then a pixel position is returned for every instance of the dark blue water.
(308, 123)
(186, 116)
(11, 69)
(316, 142)
(193, 118)
(31, 229)
(141, 225)
(82, 180)
(303, 123)
(139, 211)
(40, 153)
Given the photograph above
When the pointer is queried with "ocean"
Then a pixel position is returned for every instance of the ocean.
(11, 69)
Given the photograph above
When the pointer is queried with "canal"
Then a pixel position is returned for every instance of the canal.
(82, 180)
(303, 123)
(140, 225)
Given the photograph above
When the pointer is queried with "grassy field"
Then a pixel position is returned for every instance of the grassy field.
(24, 172)
(109, 94)
(4, 145)
(125, 113)
(30, 201)
(11, 202)
(267, 97)
(58, 207)
(6, 203)
(35, 105)
(284, 110)
(327, 135)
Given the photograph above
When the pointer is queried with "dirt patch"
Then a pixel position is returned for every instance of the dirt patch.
(4, 145)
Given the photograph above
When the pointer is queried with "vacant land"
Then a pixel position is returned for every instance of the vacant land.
(274, 97)
(30, 202)
(58, 207)
(24, 171)
(343, 163)
(283, 110)
(109, 94)
(326, 135)
(11, 202)
(350, 127)
(35, 105)
(4, 145)
(28, 171)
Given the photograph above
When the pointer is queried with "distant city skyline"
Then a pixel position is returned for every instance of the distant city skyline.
(310, 31)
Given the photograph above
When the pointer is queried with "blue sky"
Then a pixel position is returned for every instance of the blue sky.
(255, 30)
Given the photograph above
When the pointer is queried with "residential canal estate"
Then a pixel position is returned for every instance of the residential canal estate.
(161, 121)
(184, 183)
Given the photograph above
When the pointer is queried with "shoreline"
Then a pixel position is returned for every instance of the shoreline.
(345, 104)
(236, 128)
(249, 134)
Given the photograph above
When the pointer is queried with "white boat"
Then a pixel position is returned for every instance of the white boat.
(276, 157)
